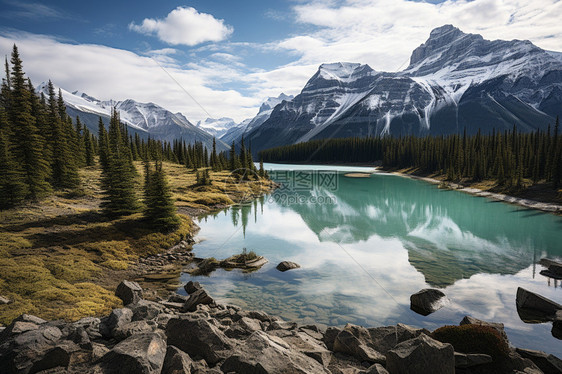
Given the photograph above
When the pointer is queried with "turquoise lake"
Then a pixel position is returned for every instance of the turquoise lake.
(366, 244)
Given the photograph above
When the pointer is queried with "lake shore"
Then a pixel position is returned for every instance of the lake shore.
(195, 334)
(523, 202)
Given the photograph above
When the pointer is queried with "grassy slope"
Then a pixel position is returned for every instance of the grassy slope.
(53, 254)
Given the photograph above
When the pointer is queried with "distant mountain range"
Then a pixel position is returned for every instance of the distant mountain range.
(145, 119)
(455, 81)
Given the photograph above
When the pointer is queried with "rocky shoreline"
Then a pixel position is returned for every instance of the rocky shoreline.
(526, 203)
(194, 334)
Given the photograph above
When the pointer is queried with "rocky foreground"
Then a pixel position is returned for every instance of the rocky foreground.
(196, 335)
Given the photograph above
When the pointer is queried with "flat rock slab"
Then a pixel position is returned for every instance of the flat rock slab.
(532, 307)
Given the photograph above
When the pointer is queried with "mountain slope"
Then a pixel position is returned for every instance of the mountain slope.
(235, 133)
(454, 81)
(145, 119)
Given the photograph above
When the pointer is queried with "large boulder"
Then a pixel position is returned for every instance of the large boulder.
(199, 296)
(548, 363)
(146, 310)
(20, 352)
(57, 357)
(198, 337)
(139, 354)
(287, 265)
(176, 362)
(356, 341)
(129, 292)
(535, 308)
(263, 353)
(426, 301)
(421, 355)
(116, 319)
(385, 338)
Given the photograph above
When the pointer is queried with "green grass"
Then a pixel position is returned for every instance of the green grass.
(55, 254)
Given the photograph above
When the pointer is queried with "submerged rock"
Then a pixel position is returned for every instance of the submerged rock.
(287, 265)
(426, 301)
(557, 326)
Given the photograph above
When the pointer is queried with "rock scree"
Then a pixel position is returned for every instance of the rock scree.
(150, 337)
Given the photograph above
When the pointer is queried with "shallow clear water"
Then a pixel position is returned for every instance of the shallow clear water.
(366, 244)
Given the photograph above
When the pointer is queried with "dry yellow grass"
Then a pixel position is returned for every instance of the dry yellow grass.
(52, 253)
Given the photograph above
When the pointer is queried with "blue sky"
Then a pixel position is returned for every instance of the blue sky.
(231, 55)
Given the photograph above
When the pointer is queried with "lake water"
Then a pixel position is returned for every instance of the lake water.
(366, 244)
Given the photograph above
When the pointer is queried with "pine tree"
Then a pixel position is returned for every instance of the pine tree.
(103, 146)
(160, 209)
(89, 150)
(13, 190)
(64, 169)
(118, 179)
(27, 141)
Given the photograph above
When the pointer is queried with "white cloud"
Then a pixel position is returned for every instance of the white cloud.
(185, 25)
(110, 73)
(383, 33)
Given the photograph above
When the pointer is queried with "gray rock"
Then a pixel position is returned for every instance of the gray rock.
(260, 316)
(146, 310)
(91, 325)
(129, 292)
(330, 337)
(139, 354)
(385, 338)
(98, 351)
(287, 265)
(190, 287)
(548, 363)
(18, 353)
(426, 301)
(30, 318)
(198, 337)
(311, 347)
(117, 319)
(263, 353)
(176, 362)
(4, 300)
(196, 298)
(421, 355)
(468, 320)
(282, 325)
(535, 304)
(356, 341)
(463, 361)
(375, 369)
(136, 327)
(57, 357)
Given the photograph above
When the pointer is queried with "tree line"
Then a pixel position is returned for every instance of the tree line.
(42, 149)
(508, 157)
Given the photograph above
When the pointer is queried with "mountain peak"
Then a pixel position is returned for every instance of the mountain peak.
(439, 39)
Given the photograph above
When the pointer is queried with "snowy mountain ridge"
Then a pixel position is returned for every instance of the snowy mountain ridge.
(146, 119)
(454, 81)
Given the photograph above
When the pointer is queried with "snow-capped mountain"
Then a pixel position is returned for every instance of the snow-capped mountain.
(145, 119)
(216, 127)
(455, 81)
(235, 132)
